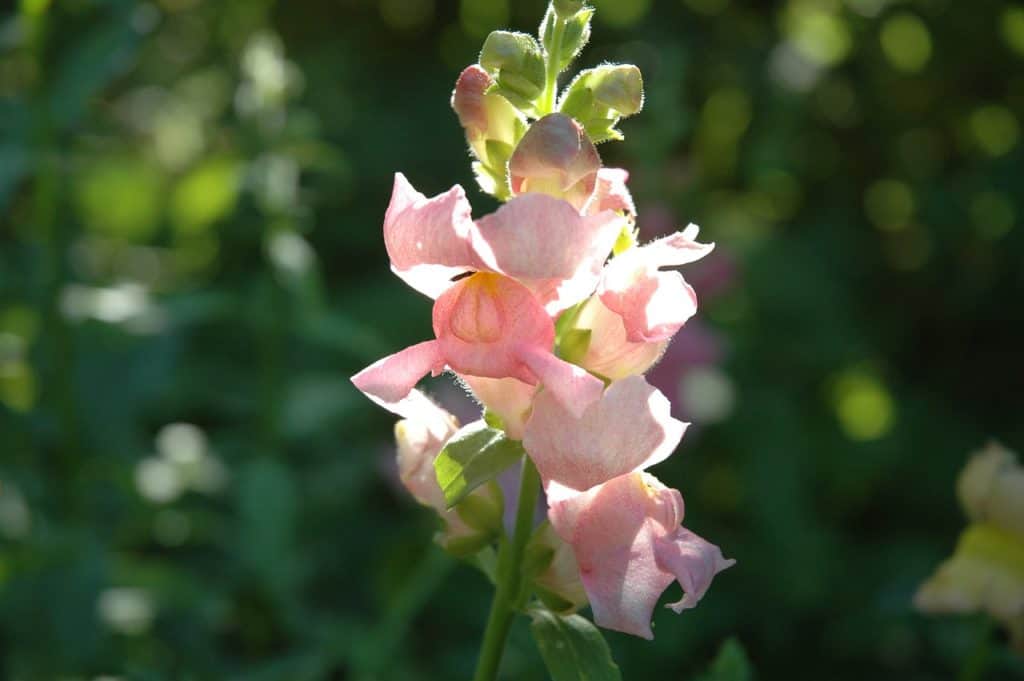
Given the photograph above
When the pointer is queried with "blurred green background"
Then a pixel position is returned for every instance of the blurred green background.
(191, 266)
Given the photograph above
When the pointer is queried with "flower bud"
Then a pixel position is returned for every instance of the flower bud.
(493, 127)
(517, 64)
(598, 98)
(477, 519)
(566, 8)
(555, 157)
(991, 489)
(575, 32)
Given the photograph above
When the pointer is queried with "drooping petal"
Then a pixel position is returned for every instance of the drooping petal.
(653, 305)
(629, 547)
(390, 381)
(555, 157)
(546, 244)
(610, 193)
(628, 429)
(610, 353)
(571, 386)
(694, 562)
(509, 398)
(429, 241)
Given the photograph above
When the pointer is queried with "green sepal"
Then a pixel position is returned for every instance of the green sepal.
(516, 63)
(493, 420)
(572, 647)
(573, 345)
(474, 455)
(731, 664)
(598, 98)
(575, 33)
(483, 512)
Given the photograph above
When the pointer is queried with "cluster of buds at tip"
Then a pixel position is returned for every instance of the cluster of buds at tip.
(549, 312)
(986, 572)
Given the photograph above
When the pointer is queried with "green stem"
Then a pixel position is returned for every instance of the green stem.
(551, 75)
(509, 578)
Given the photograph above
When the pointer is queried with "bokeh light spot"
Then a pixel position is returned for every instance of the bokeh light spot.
(816, 33)
(994, 129)
(992, 214)
(1013, 28)
(17, 386)
(621, 13)
(121, 198)
(480, 17)
(889, 204)
(906, 42)
(127, 611)
(205, 195)
(863, 405)
(407, 15)
(707, 394)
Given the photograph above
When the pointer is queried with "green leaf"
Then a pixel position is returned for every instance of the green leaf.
(474, 455)
(572, 647)
(731, 664)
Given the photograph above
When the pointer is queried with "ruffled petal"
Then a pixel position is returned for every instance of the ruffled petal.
(610, 193)
(390, 381)
(429, 241)
(629, 547)
(694, 562)
(610, 353)
(628, 429)
(548, 246)
(571, 386)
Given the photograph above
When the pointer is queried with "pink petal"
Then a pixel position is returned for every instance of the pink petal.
(571, 386)
(429, 241)
(468, 99)
(509, 398)
(610, 193)
(653, 305)
(390, 381)
(420, 436)
(483, 320)
(628, 429)
(610, 353)
(629, 547)
(693, 561)
(555, 157)
(546, 244)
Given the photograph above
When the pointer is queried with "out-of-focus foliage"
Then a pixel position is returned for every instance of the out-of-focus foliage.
(191, 266)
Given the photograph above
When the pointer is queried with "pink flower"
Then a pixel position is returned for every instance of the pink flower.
(609, 353)
(539, 240)
(629, 429)
(653, 304)
(630, 547)
(485, 325)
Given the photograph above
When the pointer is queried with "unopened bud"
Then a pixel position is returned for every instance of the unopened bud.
(517, 64)
(555, 157)
(575, 33)
(492, 124)
(600, 97)
(567, 8)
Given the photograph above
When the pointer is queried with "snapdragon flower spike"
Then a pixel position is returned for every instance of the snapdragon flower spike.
(541, 241)
(653, 304)
(486, 325)
(629, 429)
(630, 547)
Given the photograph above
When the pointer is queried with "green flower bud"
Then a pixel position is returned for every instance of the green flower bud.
(566, 8)
(598, 98)
(516, 62)
(575, 34)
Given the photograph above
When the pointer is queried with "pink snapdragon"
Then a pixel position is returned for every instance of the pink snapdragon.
(630, 547)
(623, 525)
